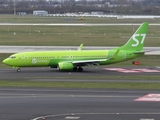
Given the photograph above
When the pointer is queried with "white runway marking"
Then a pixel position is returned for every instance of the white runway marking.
(68, 114)
(149, 97)
(123, 70)
(146, 119)
(72, 118)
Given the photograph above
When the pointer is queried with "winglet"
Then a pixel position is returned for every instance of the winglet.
(80, 47)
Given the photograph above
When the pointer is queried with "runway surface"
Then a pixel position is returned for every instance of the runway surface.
(77, 104)
(91, 74)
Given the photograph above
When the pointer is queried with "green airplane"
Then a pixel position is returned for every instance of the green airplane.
(76, 59)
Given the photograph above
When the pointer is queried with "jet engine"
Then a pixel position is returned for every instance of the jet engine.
(65, 66)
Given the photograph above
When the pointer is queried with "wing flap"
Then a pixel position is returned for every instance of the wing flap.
(88, 62)
(94, 62)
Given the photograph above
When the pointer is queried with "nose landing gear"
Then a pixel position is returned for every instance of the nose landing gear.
(18, 70)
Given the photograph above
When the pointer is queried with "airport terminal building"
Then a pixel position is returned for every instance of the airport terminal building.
(40, 12)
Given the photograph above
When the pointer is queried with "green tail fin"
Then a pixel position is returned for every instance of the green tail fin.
(136, 42)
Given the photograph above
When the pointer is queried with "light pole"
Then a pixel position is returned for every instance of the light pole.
(14, 5)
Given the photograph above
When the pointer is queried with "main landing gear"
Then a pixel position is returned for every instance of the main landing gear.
(79, 69)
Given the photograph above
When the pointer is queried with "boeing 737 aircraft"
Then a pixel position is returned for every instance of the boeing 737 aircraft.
(76, 59)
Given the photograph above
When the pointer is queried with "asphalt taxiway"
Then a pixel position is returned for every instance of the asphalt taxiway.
(76, 104)
(98, 73)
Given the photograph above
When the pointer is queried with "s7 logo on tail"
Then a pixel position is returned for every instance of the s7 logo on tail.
(138, 41)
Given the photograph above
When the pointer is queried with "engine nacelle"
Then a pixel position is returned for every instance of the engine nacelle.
(65, 66)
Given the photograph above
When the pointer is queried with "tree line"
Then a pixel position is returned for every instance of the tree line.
(142, 7)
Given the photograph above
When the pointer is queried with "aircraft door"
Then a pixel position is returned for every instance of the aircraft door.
(69, 57)
(23, 58)
(124, 55)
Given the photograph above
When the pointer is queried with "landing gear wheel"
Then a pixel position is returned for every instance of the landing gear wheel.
(80, 69)
(75, 69)
(58, 68)
(18, 70)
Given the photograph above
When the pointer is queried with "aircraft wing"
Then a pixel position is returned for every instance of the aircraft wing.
(93, 62)
(88, 62)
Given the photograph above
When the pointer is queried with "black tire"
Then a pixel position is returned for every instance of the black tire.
(75, 69)
(18, 70)
(58, 68)
(80, 69)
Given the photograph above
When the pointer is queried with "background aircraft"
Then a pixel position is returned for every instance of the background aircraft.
(76, 59)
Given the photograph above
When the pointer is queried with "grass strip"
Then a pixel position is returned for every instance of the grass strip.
(106, 77)
(97, 85)
(73, 35)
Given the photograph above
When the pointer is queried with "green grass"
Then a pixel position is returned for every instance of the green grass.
(73, 35)
(97, 85)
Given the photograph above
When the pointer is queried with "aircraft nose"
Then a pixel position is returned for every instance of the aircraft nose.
(5, 61)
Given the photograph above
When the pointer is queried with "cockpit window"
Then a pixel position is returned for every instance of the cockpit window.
(12, 57)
